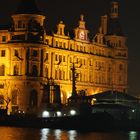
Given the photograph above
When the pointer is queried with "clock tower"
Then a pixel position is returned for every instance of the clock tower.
(81, 33)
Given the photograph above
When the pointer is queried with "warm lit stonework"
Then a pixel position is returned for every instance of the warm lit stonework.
(29, 56)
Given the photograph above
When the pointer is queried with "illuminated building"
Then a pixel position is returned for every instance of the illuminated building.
(30, 56)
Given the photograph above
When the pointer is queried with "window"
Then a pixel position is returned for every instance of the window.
(56, 43)
(70, 46)
(19, 24)
(34, 53)
(56, 75)
(46, 57)
(84, 49)
(46, 72)
(16, 53)
(60, 58)
(16, 70)
(47, 41)
(64, 45)
(70, 60)
(1, 99)
(60, 31)
(64, 75)
(60, 44)
(34, 71)
(24, 25)
(2, 53)
(64, 58)
(60, 75)
(3, 38)
(81, 48)
(56, 57)
(120, 67)
(1, 86)
(2, 70)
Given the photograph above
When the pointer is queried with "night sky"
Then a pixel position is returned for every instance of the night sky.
(70, 10)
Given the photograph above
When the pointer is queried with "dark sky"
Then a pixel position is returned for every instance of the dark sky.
(69, 11)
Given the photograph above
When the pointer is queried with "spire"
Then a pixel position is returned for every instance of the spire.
(114, 13)
(82, 22)
(27, 7)
(114, 26)
(82, 17)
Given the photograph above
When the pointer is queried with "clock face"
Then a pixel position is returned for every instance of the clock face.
(82, 35)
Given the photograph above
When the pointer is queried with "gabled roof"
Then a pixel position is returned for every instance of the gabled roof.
(112, 95)
(27, 7)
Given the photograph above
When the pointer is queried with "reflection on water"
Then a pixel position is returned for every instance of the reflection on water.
(133, 135)
(11, 133)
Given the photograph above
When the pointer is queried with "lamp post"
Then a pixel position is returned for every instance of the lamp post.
(73, 80)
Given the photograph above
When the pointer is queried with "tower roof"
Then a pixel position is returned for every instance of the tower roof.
(114, 27)
(27, 7)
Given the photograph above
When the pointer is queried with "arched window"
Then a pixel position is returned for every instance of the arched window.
(16, 70)
(14, 98)
(2, 70)
(33, 98)
(34, 70)
(1, 99)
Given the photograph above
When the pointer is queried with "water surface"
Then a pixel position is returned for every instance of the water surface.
(12, 133)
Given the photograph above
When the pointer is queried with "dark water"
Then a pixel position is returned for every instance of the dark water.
(11, 133)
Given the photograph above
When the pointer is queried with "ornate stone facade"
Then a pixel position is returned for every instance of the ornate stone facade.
(29, 56)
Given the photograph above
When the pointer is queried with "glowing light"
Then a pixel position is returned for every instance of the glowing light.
(72, 112)
(59, 114)
(45, 114)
